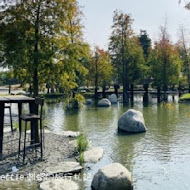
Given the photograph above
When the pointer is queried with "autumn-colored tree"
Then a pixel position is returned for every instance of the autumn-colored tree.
(100, 69)
(184, 51)
(165, 63)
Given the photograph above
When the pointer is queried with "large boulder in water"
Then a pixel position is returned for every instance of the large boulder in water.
(111, 177)
(104, 103)
(132, 121)
(113, 98)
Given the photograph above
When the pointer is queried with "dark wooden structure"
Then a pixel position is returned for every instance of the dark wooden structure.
(30, 118)
(18, 100)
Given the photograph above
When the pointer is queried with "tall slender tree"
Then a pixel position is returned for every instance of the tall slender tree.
(165, 63)
(183, 49)
(145, 42)
(126, 52)
(121, 33)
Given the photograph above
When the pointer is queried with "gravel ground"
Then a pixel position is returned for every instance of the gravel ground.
(57, 148)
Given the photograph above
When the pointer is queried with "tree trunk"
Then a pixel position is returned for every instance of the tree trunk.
(96, 77)
(116, 87)
(116, 92)
(104, 92)
(30, 90)
(52, 90)
(180, 90)
(9, 87)
(36, 51)
(126, 101)
(132, 92)
(146, 89)
(96, 88)
(158, 94)
(165, 95)
(125, 82)
(35, 82)
(145, 97)
(125, 87)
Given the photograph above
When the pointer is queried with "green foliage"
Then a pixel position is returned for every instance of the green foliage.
(16, 126)
(121, 33)
(81, 158)
(7, 77)
(82, 143)
(165, 64)
(100, 68)
(42, 41)
(183, 49)
(136, 66)
(145, 42)
(185, 97)
(79, 98)
(125, 50)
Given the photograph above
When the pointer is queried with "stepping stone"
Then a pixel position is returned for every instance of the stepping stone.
(64, 168)
(47, 131)
(59, 184)
(7, 130)
(93, 155)
(21, 185)
(73, 143)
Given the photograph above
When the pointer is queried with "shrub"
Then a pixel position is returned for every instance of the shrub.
(82, 143)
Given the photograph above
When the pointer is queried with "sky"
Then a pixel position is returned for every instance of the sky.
(147, 14)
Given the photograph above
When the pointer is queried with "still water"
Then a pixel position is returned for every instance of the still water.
(158, 159)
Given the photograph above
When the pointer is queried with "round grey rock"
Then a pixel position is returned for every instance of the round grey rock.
(104, 103)
(132, 121)
(113, 98)
(112, 177)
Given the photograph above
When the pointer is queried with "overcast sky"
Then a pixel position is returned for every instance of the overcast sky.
(147, 14)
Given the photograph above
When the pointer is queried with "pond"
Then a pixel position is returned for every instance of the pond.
(158, 159)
